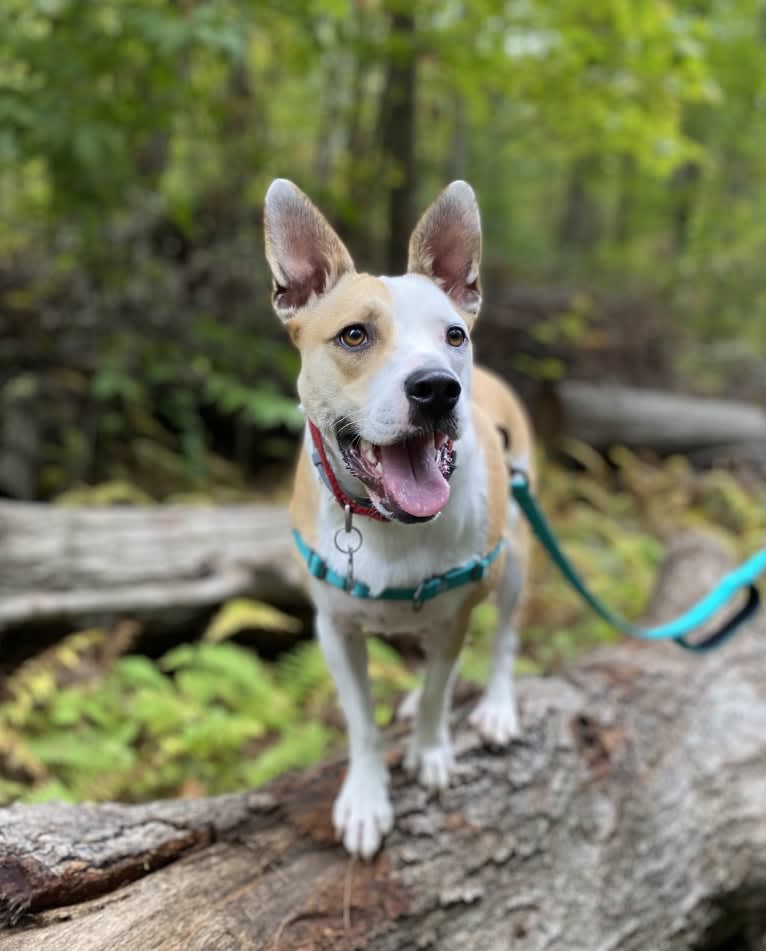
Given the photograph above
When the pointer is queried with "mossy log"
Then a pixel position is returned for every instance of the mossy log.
(631, 816)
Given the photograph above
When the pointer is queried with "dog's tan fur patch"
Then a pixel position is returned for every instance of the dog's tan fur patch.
(330, 375)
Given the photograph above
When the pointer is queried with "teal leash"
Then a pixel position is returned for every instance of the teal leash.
(349, 539)
(742, 579)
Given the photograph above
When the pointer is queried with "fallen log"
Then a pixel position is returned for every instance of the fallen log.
(610, 415)
(631, 816)
(77, 565)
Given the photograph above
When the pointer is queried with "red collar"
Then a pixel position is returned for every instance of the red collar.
(356, 506)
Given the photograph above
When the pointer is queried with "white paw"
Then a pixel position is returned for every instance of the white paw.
(432, 765)
(409, 706)
(362, 814)
(496, 721)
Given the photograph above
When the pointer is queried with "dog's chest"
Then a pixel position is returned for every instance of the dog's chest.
(402, 556)
(393, 617)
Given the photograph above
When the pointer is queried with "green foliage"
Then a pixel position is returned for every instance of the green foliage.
(204, 718)
(91, 91)
(148, 388)
(641, 120)
(207, 716)
(243, 614)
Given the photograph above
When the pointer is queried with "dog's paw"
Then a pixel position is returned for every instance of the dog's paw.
(432, 765)
(362, 814)
(409, 706)
(496, 721)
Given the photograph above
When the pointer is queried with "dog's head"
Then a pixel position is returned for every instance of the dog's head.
(385, 362)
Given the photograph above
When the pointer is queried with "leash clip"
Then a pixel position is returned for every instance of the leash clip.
(354, 543)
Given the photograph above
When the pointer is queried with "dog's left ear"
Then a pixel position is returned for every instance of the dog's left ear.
(446, 245)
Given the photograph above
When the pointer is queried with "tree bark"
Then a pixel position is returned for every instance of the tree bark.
(630, 816)
(75, 565)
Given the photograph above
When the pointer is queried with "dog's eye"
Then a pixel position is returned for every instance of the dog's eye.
(353, 337)
(456, 337)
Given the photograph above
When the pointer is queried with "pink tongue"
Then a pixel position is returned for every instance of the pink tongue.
(411, 477)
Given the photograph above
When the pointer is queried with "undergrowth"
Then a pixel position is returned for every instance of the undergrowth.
(88, 719)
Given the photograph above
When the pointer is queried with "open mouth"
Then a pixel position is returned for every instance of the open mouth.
(409, 479)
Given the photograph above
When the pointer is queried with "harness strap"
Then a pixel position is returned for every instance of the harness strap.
(428, 589)
(742, 579)
(357, 506)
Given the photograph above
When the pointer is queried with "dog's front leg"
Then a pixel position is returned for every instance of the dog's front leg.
(430, 750)
(495, 717)
(362, 813)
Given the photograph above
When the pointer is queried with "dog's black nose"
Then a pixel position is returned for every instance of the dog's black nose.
(433, 393)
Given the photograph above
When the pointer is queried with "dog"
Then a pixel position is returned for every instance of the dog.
(400, 504)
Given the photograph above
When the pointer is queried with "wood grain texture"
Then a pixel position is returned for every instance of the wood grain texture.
(631, 816)
(79, 564)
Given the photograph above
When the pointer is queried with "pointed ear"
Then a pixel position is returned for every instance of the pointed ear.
(446, 245)
(305, 255)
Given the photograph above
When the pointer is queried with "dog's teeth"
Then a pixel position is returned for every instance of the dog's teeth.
(368, 451)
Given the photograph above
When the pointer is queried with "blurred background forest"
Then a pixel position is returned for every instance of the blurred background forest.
(618, 151)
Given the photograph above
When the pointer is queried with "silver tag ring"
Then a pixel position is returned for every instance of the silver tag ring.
(354, 534)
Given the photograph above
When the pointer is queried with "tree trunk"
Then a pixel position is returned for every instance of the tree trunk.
(398, 136)
(630, 816)
(81, 565)
(580, 226)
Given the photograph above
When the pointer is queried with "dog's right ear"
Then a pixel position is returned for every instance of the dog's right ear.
(446, 245)
(306, 257)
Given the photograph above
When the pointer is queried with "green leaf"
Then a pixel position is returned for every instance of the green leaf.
(300, 746)
(243, 614)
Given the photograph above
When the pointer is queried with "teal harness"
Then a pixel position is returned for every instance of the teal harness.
(743, 579)
(429, 588)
